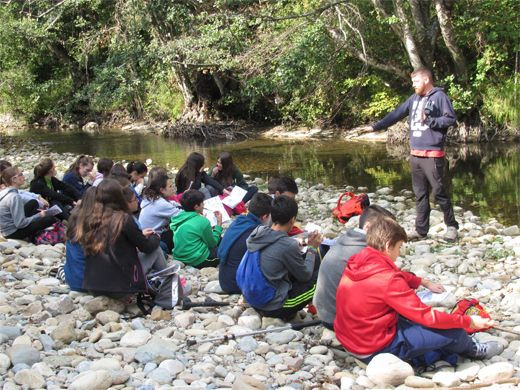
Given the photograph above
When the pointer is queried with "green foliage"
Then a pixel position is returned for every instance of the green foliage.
(502, 103)
(291, 61)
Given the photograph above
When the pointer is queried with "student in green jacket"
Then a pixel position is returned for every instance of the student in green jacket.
(228, 174)
(195, 242)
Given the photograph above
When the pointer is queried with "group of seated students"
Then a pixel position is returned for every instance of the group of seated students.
(119, 229)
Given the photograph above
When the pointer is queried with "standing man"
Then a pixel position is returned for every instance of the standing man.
(430, 113)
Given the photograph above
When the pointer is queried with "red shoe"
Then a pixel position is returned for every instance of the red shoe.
(311, 308)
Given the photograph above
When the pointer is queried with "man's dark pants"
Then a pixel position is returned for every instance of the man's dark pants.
(428, 172)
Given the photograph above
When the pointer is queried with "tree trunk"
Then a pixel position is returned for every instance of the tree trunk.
(407, 37)
(421, 17)
(402, 31)
(444, 17)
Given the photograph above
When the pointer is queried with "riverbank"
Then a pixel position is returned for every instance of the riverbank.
(55, 338)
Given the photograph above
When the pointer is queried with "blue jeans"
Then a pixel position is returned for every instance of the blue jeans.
(422, 346)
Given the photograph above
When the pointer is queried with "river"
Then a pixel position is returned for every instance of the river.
(484, 178)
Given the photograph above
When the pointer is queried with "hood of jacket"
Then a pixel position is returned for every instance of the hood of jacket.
(353, 237)
(367, 263)
(7, 190)
(263, 236)
(180, 218)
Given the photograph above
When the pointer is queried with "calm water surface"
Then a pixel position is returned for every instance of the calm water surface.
(484, 178)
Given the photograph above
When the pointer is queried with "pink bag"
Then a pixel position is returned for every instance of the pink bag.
(53, 235)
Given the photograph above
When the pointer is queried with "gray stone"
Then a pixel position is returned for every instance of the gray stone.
(279, 338)
(107, 316)
(495, 372)
(446, 379)
(247, 344)
(92, 380)
(61, 305)
(20, 367)
(161, 376)
(11, 332)
(156, 350)
(386, 369)
(98, 304)
(511, 231)
(252, 322)
(419, 382)
(184, 320)
(174, 367)
(23, 354)
(65, 333)
(135, 338)
(109, 364)
(5, 363)
(31, 379)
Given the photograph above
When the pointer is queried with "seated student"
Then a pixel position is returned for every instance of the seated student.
(233, 245)
(228, 174)
(283, 185)
(157, 210)
(377, 310)
(334, 262)
(26, 195)
(52, 189)
(154, 261)
(80, 169)
(74, 268)
(137, 171)
(191, 176)
(292, 274)
(195, 242)
(104, 166)
(110, 238)
(17, 220)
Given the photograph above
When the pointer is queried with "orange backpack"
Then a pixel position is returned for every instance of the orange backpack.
(349, 208)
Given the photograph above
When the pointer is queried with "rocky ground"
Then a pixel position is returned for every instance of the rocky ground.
(53, 338)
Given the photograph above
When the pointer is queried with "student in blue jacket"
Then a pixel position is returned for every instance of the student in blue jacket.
(77, 172)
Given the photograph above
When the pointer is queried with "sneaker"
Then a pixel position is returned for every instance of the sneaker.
(414, 236)
(486, 350)
(451, 234)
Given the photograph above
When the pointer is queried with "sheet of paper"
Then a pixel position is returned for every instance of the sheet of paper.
(235, 197)
(54, 210)
(210, 206)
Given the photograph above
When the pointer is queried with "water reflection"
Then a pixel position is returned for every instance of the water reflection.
(485, 178)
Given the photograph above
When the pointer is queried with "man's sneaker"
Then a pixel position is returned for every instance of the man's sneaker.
(486, 350)
(451, 234)
(414, 236)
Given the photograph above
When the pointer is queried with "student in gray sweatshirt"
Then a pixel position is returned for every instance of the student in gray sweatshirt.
(17, 220)
(290, 272)
(157, 210)
(335, 261)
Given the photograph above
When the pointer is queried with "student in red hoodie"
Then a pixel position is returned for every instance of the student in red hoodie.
(377, 310)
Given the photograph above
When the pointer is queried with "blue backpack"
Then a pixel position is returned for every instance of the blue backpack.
(255, 288)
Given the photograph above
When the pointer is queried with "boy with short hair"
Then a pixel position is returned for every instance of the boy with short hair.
(377, 310)
(195, 242)
(233, 244)
(282, 185)
(292, 274)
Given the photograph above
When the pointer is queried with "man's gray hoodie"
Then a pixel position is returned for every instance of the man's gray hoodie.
(331, 270)
(12, 214)
(280, 261)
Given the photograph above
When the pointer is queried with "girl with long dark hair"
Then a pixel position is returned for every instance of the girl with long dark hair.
(228, 175)
(80, 169)
(111, 238)
(52, 189)
(191, 176)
